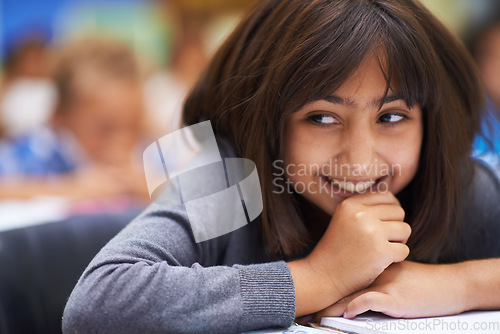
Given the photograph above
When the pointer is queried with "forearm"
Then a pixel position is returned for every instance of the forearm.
(311, 292)
(482, 282)
(154, 298)
(153, 278)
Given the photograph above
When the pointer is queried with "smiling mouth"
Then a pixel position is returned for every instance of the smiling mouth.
(349, 186)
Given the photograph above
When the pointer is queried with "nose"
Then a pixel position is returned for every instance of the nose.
(358, 151)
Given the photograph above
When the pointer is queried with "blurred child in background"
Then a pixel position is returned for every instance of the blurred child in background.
(27, 95)
(485, 47)
(90, 149)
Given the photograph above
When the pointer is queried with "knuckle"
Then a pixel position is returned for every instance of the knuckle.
(370, 230)
(407, 228)
(401, 212)
(360, 215)
(405, 251)
(348, 205)
(389, 195)
(393, 198)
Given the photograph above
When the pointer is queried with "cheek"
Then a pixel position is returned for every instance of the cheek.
(302, 161)
(306, 147)
(408, 162)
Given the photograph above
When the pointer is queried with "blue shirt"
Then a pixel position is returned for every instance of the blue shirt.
(489, 152)
(42, 153)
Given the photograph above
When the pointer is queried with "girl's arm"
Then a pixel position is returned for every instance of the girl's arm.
(411, 290)
(482, 279)
(154, 278)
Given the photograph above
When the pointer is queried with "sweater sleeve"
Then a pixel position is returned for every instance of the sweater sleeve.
(154, 278)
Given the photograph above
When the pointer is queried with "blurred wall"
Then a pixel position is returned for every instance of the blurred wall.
(134, 21)
(461, 16)
(149, 28)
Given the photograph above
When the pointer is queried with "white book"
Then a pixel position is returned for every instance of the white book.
(476, 322)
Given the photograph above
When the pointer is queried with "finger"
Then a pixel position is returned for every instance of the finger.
(400, 251)
(376, 198)
(335, 310)
(387, 212)
(397, 231)
(374, 301)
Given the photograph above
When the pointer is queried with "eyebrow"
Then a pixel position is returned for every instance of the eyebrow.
(347, 101)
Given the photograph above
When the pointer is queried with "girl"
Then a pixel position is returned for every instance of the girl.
(370, 108)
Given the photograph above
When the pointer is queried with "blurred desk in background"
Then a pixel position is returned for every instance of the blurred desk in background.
(19, 213)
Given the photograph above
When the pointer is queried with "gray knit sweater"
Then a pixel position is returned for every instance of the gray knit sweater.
(154, 278)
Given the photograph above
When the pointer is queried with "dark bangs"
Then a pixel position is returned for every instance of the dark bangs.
(340, 39)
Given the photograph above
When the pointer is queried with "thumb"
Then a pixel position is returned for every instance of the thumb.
(374, 301)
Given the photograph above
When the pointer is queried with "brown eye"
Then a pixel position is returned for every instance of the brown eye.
(391, 118)
(323, 119)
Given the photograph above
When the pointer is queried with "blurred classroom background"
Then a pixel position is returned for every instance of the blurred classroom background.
(169, 37)
(85, 86)
(171, 41)
(71, 172)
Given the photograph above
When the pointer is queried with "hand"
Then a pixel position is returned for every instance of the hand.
(365, 235)
(406, 290)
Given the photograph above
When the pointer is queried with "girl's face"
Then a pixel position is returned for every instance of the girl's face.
(345, 144)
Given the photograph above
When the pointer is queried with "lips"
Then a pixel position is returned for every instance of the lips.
(353, 186)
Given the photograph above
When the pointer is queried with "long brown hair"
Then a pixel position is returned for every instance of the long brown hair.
(287, 53)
